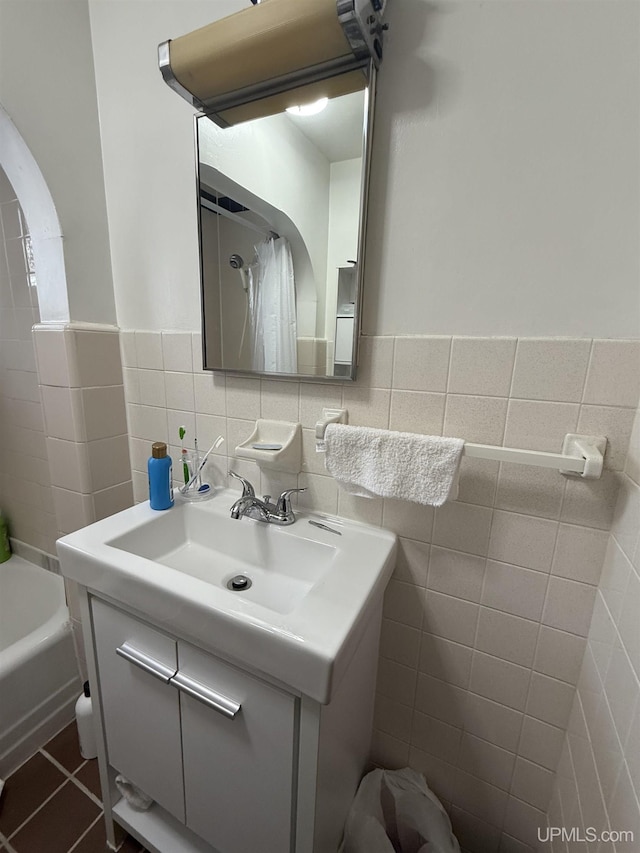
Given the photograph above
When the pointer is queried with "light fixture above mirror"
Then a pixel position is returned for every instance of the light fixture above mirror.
(274, 55)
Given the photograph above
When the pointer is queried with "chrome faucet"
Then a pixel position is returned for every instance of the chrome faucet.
(264, 510)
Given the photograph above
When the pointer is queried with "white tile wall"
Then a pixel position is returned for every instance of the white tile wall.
(25, 485)
(486, 618)
(598, 781)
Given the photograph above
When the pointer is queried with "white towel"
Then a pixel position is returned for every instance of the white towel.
(380, 463)
(132, 794)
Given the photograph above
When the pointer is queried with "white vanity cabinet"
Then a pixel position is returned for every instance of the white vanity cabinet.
(234, 763)
(203, 739)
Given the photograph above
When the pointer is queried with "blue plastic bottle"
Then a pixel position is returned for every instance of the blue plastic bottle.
(160, 470)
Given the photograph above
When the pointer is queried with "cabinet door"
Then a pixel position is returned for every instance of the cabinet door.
(238, 772)
(141, 711)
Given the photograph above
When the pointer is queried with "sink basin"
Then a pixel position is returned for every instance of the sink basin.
(215, 548)
(309, 597)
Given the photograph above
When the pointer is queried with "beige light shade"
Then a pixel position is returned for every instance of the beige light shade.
(343, 84)
(272, 39)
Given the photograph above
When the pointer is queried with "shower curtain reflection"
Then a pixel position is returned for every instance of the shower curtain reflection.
(272, 308)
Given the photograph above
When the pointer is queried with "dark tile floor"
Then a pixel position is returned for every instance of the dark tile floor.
(52, 803)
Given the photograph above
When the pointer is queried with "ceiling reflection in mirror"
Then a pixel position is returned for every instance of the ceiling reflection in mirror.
(280, 204)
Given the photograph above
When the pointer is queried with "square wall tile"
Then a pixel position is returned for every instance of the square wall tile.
(541, 743)
(616, 424)
(63, 412)
(492, 721)
(114, 499)
(367, 406)
(412, 562)
(151, 388)
(177, 351)
(473, 834)
(104, 412)
(463, 527)
(400, 642)
(375, 361)
(455, 573)
(510, 638)
(388, 751)
(579, 553)
(421, 364)
(279, 401)
(409, 519)
(393, 718)
(148, 422)
(109, 462)
(69, 465)
(445, 660)
(559, 654)
(479, 798)
(243, 397)
(522, 540)
(532, 784)
(415, 411)
(535, 425)
(476, 419)
(550, 369)
(210, 393)
(128, 348)
(396, 681)
(486, 761)
(614, 374)
(403, 602)
(149, 350)
(436, 737)
(481, 366)
(441, 700)
(97, 357)
(550, 700)
(73, 510)
(179, 391)
(529, 490)
(591, 503)
(520, 592)
(500, 681)
(451, 618)
(51, 355)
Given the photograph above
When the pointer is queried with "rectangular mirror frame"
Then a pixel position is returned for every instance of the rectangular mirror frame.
(362, 233)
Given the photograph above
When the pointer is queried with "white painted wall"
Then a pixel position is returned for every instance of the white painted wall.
(505, 182)
(47, 87)
(505, 195)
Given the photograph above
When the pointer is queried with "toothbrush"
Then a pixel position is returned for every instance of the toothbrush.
(197, 461)
(195, 476)
(185, 468)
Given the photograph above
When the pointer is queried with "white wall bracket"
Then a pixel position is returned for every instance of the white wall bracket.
(329, 416)
(591, 448)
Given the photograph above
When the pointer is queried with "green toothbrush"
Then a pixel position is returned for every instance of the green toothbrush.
(185, 468)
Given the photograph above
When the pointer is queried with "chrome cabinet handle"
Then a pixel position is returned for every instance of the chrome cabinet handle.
(145, 662)
(206, 695)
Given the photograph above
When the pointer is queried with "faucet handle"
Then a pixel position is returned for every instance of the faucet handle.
(284, 501)
(247, 489)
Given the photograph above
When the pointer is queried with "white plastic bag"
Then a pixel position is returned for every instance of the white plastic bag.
(394, 811)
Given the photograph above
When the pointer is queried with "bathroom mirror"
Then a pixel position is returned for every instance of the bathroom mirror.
(281, 207)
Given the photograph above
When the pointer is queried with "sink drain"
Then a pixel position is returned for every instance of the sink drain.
(239, 583)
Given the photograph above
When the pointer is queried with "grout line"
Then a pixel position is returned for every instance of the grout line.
(61, 767)
(35, 811)
(85, 833)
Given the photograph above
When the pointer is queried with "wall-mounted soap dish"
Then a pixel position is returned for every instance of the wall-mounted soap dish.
(276, 445)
